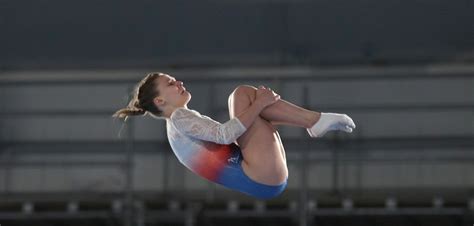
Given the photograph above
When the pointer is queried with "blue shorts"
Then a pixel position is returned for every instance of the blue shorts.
(233, 177)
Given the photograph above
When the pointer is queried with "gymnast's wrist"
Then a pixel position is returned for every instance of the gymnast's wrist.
(260, 105)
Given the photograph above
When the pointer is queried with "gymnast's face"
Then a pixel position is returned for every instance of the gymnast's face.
(172, 92)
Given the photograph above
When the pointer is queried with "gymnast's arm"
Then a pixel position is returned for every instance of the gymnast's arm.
(264, 98)
(201, 127)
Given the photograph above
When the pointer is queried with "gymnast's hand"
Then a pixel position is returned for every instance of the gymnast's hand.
(266, 96)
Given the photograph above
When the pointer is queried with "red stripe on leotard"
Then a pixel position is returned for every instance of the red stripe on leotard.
(210, 161)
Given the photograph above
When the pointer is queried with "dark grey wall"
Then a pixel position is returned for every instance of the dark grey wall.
(149, 33)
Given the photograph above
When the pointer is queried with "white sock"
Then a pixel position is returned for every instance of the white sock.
(331, 121)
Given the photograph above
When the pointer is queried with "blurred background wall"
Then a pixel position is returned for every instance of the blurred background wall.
(57, 34)
(402, 70)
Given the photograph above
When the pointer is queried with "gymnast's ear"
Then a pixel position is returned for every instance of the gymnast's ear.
(159, 101)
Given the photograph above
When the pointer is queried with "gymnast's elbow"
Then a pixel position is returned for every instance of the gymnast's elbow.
(223, 136)
(225, 140)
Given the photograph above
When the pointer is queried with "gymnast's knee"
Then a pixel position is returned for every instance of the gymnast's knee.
(244, 90)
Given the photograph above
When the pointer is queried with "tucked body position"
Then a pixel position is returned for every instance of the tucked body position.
(245, 153)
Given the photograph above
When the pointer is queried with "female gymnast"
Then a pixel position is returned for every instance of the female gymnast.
(243, 154)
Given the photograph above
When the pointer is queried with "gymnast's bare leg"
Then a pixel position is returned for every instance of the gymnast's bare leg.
(263, 151)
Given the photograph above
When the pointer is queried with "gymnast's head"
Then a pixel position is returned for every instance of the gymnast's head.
(157, 95)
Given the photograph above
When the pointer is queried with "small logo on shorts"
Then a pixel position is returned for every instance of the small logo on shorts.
(233, 159)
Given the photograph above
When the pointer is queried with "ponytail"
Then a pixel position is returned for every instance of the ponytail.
(128, 111)
(124, 113)
(142, 101)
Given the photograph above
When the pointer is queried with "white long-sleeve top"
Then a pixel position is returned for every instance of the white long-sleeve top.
(192, 135)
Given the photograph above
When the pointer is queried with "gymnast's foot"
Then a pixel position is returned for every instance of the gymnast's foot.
(331, 121)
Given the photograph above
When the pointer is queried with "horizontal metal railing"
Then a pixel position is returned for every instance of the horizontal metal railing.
(343, 146)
